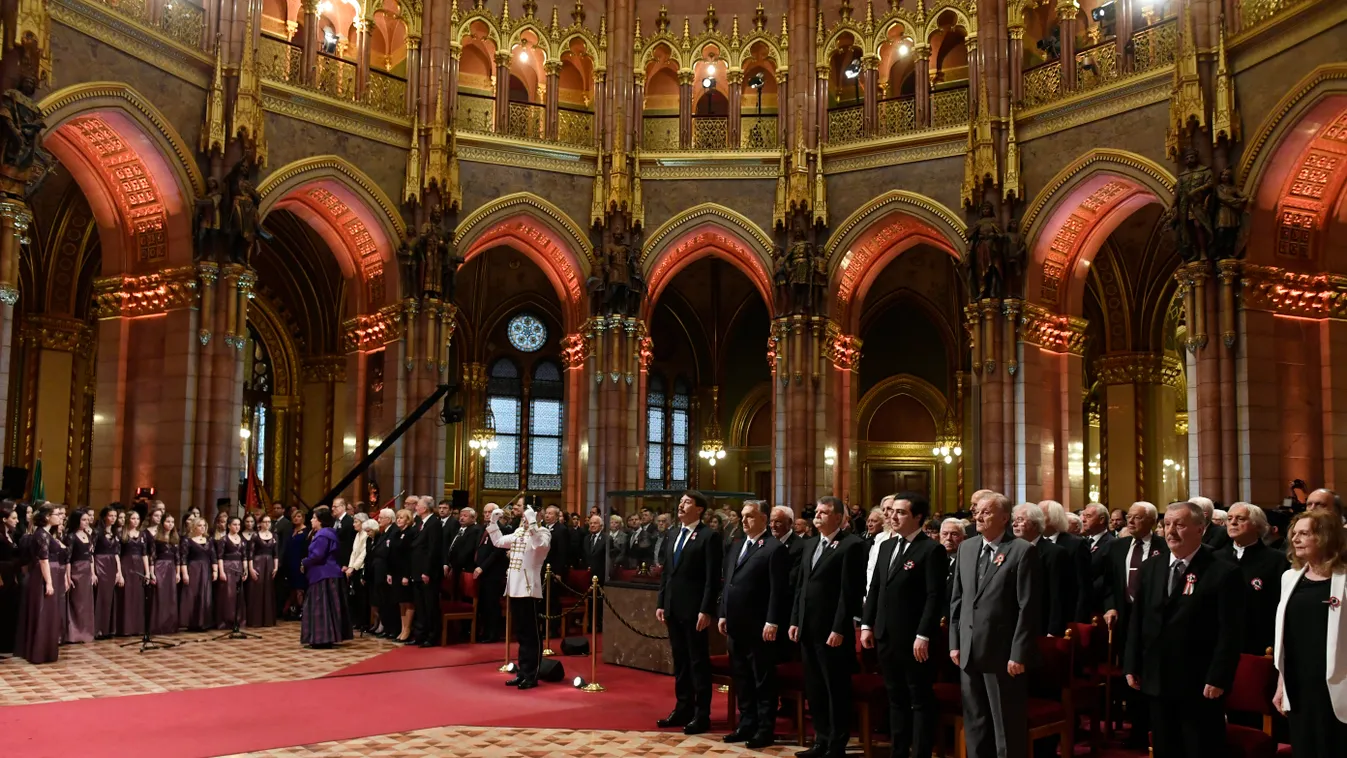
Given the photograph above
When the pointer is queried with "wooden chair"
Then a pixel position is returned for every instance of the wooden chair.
(463, 609)
(869, 693)
(1088, 680)
(948, 698)
(1251, 692)
(790, 680)
(580, 580)
(1051, 702)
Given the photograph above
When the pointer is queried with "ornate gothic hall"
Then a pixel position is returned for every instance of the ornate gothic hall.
(1067, 250)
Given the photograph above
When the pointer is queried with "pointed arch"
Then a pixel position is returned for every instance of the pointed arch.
(136, 170)
(542, 231)
(707, 229)
(356, 219)
(925, 393)
(1067, 222)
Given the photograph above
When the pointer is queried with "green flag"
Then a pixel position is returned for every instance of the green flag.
(39, 490)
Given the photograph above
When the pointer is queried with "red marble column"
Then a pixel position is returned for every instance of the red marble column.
(1067, 11)
(309, 19)
(803, 389)
(921, 53)
(614, 406)
(502, 91)
(736, 80)
(553, 68)
(685, 109)
(15, 218)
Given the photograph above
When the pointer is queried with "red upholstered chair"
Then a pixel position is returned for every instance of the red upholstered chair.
(1255, 682)
(1088, 677)
(463, 609)
(948, 698)
(580, 581)
(790, 679)
(871, 698)
(722, 675)
(1051, 710)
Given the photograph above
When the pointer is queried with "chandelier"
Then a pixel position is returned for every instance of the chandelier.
(713, 447)
(947, 443)
(483, 438)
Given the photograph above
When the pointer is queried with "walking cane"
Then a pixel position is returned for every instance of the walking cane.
(547, 607)
(593, 685)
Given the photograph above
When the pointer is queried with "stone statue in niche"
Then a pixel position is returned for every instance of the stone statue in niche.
(621, 284)
(1016, 256)
(432, 255)
(207, 225)
(245, 223)
(986, 252)
(1190, 217)
(408, 264)
(780, 279)
(1230, 215)
(805, 267)
(450, 263)
(25, 163)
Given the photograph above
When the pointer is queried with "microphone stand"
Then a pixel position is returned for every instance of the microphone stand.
(146, 641)
(236, 633)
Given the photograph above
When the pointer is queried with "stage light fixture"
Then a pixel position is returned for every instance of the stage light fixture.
(578, 682)
(709, 82)
(854, 70)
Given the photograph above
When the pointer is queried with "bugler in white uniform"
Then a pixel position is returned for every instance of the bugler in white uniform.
(528, 546)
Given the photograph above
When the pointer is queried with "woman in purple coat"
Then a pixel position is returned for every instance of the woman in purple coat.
(326, 620)
(79, 620)
(44, 595)
(107, 574)
(164, 578)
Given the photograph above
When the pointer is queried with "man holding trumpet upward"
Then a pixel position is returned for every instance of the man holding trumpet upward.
(527, 548)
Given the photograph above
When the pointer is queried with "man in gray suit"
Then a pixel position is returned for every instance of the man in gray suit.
(993, 631)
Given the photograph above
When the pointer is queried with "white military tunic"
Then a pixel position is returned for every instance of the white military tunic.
(528, 548)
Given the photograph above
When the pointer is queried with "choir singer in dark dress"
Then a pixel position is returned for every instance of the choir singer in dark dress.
(688, 588)
(753, 606)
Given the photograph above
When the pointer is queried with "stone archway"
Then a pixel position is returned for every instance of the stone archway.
(708, 230)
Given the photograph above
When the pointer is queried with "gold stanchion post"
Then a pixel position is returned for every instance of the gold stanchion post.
(547, 609)
(593, 685)
(505, 668)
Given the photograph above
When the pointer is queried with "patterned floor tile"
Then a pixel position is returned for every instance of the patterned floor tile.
(106, 669)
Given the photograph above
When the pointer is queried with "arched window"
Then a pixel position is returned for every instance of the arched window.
(545, 427)
(503, 396)
(679, 436)
(654, 435)
(257, 389)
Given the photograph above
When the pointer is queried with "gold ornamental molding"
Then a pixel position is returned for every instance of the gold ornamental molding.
(1095, 105)
(318, 167)
(476, 147)
(1276, 290)
(935, 144)
(373, 331)
(552, 216)
(1060, 334)
(729, 164)
(1141, 169)
(715, 213)
(124, 296)
(1328, 79)
(1139, 368)
(95, 20)
(930, 397)
(67, 335)
(333, 114)
(1284, 30)
(921, 207)
(323, 368)
(77, 99)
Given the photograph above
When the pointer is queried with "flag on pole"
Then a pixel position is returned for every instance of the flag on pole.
(39, 489)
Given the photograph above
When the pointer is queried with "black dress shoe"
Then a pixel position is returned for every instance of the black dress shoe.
(737, 736)
(760, 741)
(528, 684)
(427, 643)
(700, 725)
(674, 719)
(515, 682)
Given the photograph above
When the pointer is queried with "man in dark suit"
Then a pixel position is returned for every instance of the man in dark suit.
(754, 604)
(1076, 570)
(832, 580)
(460, 553)
(619, 542)
(952, 535)
(993, 632)
(427, 559)
(1122, 582)
(1261, 568)
(783, 529)
(1184, 641)
(1055, 613)
(686, 604)
(1094, 520)
(344, 525)
(1213, 537)
(902, 615)
(556, 560)
(594, 548)
(490, 568)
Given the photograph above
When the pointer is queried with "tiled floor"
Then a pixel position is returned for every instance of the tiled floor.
(105, 669)
(476, 742)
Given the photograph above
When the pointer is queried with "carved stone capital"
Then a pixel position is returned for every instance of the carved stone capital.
(1139, 368)
(1062, 334)
(160, 292)
(323, 368)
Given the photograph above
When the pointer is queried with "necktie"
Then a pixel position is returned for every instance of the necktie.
(1176, 577)
(743, 553)
(898, 549)
(1134, 570)
(678, 548)
(822, 545)
(984, 560)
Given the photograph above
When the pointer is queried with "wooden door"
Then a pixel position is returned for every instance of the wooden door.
(887, 481)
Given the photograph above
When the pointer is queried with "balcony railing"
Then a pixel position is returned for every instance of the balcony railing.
(575, 127)
(949, 107)
(280, 61)
(386, 93)
(527, 120)
(710, 132)
(183, 22)
(1043, 84)
(1155, 46)
(897, 116)
(476, 113)
(846, 124)
(758, 133)
(659, 133)
(1097, 65)
(335, 77)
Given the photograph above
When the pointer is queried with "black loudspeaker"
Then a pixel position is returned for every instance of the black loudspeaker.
(13, 482)
(459, 499)
(575, 646)
(551, 670)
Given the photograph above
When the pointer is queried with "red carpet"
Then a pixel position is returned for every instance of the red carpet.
(412, 658)
(254, 717)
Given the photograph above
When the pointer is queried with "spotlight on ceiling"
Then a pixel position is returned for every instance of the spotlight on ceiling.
(709, 82)
(756, 81)
(854, 70)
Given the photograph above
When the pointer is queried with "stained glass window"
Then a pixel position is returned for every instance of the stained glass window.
(526, 333)
(503, 393)
(545, 427)
(654, 436)
(679, 435)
